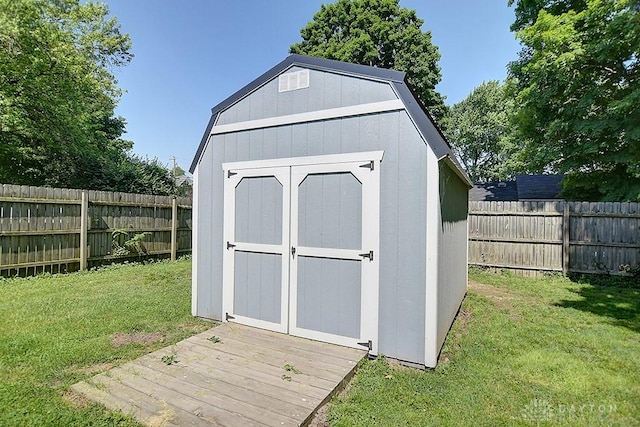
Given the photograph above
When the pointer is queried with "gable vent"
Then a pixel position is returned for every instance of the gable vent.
(293, 81)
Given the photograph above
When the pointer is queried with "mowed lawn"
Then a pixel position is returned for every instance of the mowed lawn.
(522, 351)
(57, 330)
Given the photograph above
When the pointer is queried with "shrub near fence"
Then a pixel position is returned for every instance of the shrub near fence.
(570, 237)
(54, 229)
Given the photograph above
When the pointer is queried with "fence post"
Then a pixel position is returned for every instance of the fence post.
(84, 226)
(565, 237)
(174, 229)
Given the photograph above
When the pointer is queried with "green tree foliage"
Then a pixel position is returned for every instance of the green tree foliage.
(578, 92)
(58, 96)
(377, 33)
(480, 132)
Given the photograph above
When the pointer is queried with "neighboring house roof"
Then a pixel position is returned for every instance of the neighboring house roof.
(397, 79)
(524, 187)
(538, 186)
(494, 192)
(183, 180)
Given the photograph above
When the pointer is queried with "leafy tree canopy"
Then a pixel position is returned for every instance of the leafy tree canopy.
(377, 33)
(58, 96)
(480, 132)
(578, 91)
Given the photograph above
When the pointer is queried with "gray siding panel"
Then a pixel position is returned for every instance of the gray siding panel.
(299, 142)
(258, 281)
(205, 236)
(330, 211)
(411, 248)
(452, 258)
(389, 327)
(284, 138)
(259, 211)
(326, 90)
(270, 143)
(210, 225)
(329, 295)
(315, 138)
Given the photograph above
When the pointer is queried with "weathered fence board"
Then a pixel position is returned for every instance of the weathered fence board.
(42, 229)
(555, 236)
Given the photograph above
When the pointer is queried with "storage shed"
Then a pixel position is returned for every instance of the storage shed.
(327, 205)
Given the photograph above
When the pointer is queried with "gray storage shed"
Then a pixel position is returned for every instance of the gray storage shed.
(327, 205)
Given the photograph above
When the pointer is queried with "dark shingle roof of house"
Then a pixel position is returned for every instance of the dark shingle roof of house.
(538, 186)
(494, 192)
(397, 79)
(524, 187)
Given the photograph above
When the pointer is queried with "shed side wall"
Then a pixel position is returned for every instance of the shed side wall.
(452, 259)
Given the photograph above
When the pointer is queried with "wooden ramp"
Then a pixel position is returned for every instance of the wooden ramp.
(249, 377)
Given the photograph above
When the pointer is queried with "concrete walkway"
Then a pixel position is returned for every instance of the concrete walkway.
(249, 377)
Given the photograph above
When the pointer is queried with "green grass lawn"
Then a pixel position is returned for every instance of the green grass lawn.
(57, 330)
(522, 352)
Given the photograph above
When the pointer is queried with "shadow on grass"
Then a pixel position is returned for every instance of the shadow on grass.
(620, 304)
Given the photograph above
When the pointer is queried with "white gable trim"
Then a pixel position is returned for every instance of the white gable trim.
(311, 116)
(365, 156)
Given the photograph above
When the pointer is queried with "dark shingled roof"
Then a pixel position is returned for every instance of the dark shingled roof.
(397, 79)
(538, 186)
(494, 192)
(525, 187)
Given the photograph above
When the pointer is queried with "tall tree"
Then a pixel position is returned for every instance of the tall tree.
(578, 91)
(378, 33)
(58, 96)
(479, 130)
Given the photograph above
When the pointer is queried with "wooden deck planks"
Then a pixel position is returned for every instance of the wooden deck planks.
(239, 381)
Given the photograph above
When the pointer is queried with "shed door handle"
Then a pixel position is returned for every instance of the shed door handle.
(367, 255)
(293, 251)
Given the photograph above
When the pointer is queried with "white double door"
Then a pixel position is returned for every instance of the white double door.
(300, 246)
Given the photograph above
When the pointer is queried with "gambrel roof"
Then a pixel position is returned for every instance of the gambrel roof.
(397, 79)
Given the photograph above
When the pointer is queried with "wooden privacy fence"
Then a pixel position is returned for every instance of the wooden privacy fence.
(532, 237)
(53, 229)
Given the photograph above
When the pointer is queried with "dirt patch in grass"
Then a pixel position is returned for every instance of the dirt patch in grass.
(500, 297)
(456, 334)
(320, 419)
(95, 368)
(119, 339)
(75, 399)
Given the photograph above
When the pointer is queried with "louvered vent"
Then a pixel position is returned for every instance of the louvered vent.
(293, 81)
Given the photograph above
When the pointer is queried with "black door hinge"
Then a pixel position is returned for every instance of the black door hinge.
(368, 165)
(227, 316)
(367, 255)
(367, 344)
(293, 251)
(230, 245)
(230, 174)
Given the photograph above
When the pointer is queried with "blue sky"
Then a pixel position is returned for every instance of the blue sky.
(190, 55)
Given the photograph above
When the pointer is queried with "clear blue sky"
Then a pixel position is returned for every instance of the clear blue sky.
(190, 55)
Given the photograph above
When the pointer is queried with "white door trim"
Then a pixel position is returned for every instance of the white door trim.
(282, 174)
(290, 172)
(369, 283)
